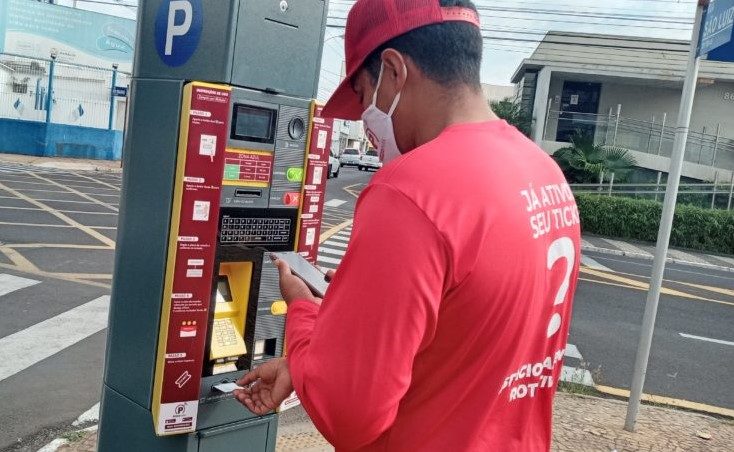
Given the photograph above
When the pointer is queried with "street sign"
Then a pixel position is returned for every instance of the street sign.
(718, 25)
(119, 91)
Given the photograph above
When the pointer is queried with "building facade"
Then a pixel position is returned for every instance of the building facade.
(626, 91)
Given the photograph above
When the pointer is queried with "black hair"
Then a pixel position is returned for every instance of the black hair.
(449, 53)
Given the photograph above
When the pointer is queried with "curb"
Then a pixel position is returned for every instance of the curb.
(648, 257)
(669, 402)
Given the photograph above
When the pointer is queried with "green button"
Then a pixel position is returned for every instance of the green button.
(294, 174)
(232, 172)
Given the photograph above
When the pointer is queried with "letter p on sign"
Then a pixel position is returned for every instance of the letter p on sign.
(177, 30)
(178, 27)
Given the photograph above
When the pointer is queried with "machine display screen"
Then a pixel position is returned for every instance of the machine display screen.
(253, 124)
(224, 293)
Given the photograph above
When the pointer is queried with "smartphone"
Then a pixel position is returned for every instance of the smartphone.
(312, 276)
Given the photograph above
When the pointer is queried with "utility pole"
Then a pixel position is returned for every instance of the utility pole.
(666, 222)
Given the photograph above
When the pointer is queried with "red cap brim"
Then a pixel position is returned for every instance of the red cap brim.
(344, 102)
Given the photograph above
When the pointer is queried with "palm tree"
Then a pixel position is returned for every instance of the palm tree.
(587, 162)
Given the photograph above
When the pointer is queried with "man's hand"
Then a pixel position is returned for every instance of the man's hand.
(292, 287)
(266, 387)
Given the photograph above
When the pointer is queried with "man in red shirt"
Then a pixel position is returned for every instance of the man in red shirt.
(444, 328)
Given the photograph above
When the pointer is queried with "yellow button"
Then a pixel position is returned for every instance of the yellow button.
(279, 308)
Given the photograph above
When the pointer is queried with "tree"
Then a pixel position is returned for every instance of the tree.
(512, 112)
(585, 162)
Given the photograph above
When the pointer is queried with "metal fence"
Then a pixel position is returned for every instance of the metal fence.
(716, 195)
(35, 89)
(705, 147)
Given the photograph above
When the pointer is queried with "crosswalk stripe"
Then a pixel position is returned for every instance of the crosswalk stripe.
(586, 244)
(339, 237)
(334, 203)
(627, 247)
(334, 243)
(27, 347)
(576, 375)
(323, 249)
(329, 260)
(10, 283)
(592, 263)
(572, 352)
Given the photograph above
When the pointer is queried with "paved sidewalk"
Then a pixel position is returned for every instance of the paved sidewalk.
(59, 163)
(582, 423)
(646, 251)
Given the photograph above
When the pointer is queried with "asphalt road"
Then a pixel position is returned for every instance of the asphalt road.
(57, 231)
(607, 316)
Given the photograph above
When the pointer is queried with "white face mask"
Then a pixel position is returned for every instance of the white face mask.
(379, 128)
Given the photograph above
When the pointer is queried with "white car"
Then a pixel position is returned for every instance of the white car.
(369, 160)
(350, 157)
(334, 166)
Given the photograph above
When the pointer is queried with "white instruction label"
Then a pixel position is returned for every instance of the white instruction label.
(201, 210)
(208, 145)
(321, 141)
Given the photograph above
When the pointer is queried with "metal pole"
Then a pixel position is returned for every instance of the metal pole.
(547, 118)
(700, 148)
(616, 125)
(713, 194)
(606, 130)
(716, 143)
(657, 187)
(666, 223)
(50, 94)
(649, 136)
(112, 96)
(611, 184)
(662, 130)
(731, 191)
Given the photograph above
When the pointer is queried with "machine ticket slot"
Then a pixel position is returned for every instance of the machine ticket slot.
(191, 259)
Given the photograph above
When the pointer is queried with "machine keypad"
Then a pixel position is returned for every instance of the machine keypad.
(224, 333)
(260, 231)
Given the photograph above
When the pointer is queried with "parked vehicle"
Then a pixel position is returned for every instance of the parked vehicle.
(334, 166)
(350, 157)
(370, 160)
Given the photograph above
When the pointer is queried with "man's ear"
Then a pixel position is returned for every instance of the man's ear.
(395, 71)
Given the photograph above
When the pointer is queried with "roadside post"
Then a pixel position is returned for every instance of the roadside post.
(712, 29)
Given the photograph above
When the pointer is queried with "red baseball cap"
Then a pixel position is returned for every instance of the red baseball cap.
(372, 23)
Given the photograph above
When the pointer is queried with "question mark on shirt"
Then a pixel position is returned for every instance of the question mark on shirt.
(559, 249)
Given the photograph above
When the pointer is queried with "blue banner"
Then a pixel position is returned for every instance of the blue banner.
(34, 29)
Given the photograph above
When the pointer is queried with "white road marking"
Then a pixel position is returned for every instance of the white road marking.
(27, 347)
(334, 203)
(54, 445)
(593, 264)
(587, 244)
(577, 376)
(91, 415)
(337, 244)
(329, 260)
(572, 352)
(707, 339)
(339, 237)
(627, 247)
(323, 249)
(10, 283)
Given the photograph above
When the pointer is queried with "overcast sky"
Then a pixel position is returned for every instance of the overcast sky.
(511, 27)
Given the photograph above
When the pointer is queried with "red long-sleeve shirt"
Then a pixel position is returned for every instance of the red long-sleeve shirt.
(444, 327)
